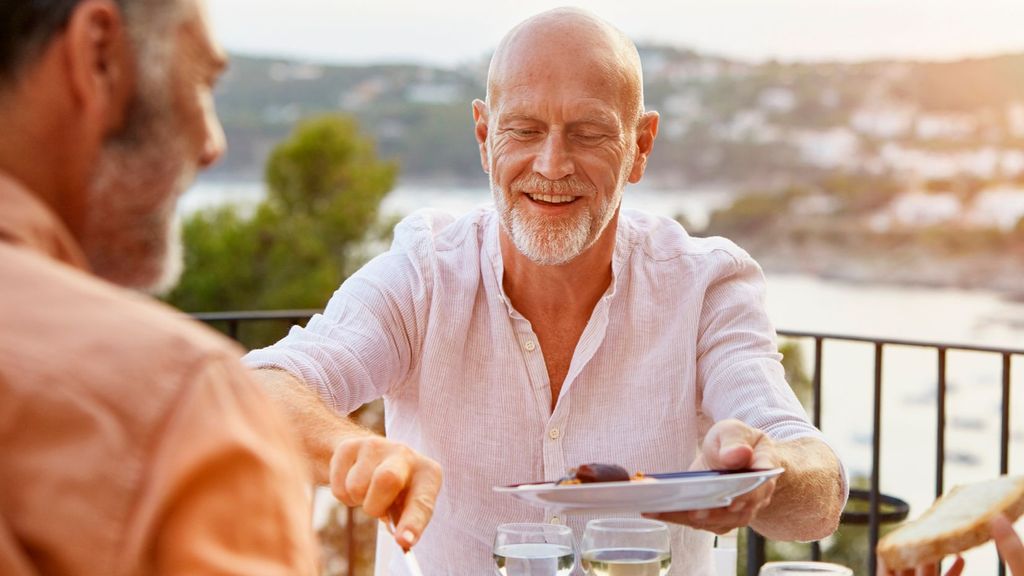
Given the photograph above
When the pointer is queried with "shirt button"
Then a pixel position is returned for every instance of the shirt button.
(554, 433)
(555, 520)
(530, 345)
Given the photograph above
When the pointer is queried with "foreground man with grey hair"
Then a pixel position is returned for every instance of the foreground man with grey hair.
(513, 344)
(131, 440)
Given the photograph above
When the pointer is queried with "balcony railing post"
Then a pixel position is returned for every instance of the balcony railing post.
(876, 450)
(816, 383)
(1004, 435)
(816, 417)
(755, 552)
(350, 540)
(940, 432)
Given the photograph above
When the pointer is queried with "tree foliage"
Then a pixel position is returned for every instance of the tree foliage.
(324, 189)
(796, 373)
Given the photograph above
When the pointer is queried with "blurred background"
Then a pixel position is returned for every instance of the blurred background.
(869, 154)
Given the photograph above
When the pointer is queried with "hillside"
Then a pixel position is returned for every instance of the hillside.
(722, 120)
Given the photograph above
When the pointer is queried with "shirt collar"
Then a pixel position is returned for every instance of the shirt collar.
(29, 223)
(492, 246)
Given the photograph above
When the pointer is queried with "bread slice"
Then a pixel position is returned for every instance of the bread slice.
(955, 522)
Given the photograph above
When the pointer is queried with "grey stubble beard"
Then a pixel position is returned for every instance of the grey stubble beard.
(132, 236)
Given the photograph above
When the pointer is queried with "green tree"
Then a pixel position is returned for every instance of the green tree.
(325, 185)
(750, 214)
(796, 373)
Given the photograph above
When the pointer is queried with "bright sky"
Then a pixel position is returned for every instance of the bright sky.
(457, 31)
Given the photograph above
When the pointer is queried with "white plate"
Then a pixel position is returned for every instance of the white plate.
(652, 495)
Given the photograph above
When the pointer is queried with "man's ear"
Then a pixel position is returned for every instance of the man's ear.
(480, 119)
(99, 62)
(647, 131)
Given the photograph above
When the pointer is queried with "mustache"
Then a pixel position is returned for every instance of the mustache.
(536, 184)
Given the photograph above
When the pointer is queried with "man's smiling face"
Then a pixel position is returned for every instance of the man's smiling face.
(561, 140)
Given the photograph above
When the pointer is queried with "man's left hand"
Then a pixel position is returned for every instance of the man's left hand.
(731, 445)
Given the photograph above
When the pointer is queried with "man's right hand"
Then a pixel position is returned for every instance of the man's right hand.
(387, 479)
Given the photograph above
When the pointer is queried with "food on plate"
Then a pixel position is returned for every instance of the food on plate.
(588, 473)
(955, 522)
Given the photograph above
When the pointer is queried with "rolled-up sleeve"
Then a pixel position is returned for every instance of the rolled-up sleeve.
(368, 337)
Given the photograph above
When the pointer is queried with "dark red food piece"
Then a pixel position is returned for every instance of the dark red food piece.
(588, 473)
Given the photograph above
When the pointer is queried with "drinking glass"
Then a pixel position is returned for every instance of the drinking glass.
(804, 569)
(534, 550)
(626, 547)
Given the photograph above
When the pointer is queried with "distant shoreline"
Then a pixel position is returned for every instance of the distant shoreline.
(999, 273)
(1002, 273)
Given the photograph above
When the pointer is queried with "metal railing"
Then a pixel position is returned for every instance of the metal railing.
(755, 552)
(756, 545)
(233, 320)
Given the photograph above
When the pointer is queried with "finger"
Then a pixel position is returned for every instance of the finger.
(926, 570)
(736, 456)
(729, 445)
(670, 517)
(755, 500)
(956, 568)
(341, 462)
(723, 526)
(1011, 550)
(698, 463)
(387, 482)
(738, 505)
(723, 517)
(883, 570)
(719, 520)
(418, 506)
(765, 456)
(684, 519)
(357, 481)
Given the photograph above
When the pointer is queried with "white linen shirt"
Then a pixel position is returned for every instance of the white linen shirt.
(679, 340)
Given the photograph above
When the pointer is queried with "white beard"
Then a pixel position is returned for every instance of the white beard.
(545, 240)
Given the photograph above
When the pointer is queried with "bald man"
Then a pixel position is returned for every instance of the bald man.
(515, 343)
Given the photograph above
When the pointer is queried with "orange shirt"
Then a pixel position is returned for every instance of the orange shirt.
(131, 440)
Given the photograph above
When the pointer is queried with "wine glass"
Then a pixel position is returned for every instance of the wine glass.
(804, 568)
(534, 550)
(626, 547)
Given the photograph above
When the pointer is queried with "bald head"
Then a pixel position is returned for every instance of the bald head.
(562, 132)
(567, 38)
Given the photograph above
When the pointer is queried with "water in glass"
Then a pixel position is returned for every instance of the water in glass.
(534, 550)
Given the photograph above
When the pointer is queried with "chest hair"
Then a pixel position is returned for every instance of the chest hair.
(558, 342)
